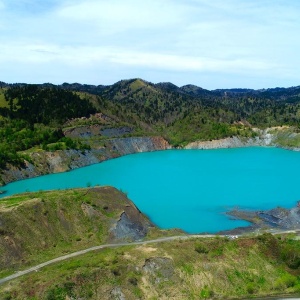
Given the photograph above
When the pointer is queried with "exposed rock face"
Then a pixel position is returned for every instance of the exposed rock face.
(279, 217)
(88, 216)
(64, 160)
(96, 130)
(264, 139)
(159, 269)
(139, 144)
(117, 294)
(222, 143)
(61, 161)
(115, 132)
(132, 225)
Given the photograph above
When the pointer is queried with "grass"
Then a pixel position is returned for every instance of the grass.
(37, 227)
(3, 102)
(44, 225)
(287, 137)
(242, 269)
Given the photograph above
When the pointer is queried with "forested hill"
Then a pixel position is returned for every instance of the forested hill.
(36, 116)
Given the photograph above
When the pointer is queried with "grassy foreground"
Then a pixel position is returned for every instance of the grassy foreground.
(183, 269)
(37, 227)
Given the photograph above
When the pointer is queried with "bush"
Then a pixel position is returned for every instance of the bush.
(201, 249)
(285, 281)
(251, 288)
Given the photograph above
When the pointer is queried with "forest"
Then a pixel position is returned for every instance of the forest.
(34, 117)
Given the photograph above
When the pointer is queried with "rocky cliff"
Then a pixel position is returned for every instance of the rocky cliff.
(278, 218)
(44, 162)
(60, 221)
(263, 138)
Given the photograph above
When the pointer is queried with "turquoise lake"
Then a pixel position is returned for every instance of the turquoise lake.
(190, 189)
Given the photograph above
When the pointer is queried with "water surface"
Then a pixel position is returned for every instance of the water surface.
(190, 189)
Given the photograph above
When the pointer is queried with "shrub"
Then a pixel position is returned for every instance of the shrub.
(201, 249)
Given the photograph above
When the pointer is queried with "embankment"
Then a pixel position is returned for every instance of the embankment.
(44, 162)
(264, 138)
(40, 225)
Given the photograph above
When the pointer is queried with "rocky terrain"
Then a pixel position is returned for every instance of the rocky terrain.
(277, 218)
(36, 224)
(266, 137)
(46, 162)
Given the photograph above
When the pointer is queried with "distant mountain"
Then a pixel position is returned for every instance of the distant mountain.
(290, 94)
(36, 115)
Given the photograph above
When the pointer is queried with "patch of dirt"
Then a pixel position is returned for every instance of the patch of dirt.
(245, 243)
(146, 249)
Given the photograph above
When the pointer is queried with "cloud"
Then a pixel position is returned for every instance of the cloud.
(115, 16)
(21, 7)
(163, 37)
(84, 55)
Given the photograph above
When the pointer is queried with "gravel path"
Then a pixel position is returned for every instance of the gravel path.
(159, 240)
(71, 255)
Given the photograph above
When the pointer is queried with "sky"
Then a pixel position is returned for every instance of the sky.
(210, 43)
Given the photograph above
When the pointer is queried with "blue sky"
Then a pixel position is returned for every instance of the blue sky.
(209, 43)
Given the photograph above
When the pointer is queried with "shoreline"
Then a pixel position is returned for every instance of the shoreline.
(163, 145)
(67, 160)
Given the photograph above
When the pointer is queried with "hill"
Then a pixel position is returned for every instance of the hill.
(36, 227)
(47, 118)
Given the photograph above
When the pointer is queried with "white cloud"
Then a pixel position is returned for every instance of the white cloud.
(197, 37)
(83, 56)
(120, 15)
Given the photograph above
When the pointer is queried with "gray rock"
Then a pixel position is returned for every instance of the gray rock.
(117, 294)
(159, 268)
(128, 229)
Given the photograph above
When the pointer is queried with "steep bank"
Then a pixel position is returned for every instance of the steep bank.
(277, 218)
(263, 138)
(35, 226)
(44, 162)
(282, 137)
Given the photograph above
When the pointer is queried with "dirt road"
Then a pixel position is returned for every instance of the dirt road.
(71, 255)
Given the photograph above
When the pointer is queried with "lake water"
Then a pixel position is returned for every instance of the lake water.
(190, 189)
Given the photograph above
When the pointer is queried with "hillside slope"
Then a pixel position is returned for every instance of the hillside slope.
(47, 118)
(36, 226)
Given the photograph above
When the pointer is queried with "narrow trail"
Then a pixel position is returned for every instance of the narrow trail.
(159, 240)
(77, 253)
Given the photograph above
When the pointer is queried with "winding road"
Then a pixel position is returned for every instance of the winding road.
(77, 253)
(158, 240)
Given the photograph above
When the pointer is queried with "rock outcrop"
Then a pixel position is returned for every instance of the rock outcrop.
(66, 220)
(264, 138)
(159, 269)
(89, 131)
(279, 218)
(139, 144)
(44, 162)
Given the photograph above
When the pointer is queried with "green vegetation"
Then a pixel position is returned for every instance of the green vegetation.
(43, 225)
(3, 102)
(40, 226)
(35, 116)
(37, 227)
(45, 105)
(83, 117)
(242, 268)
